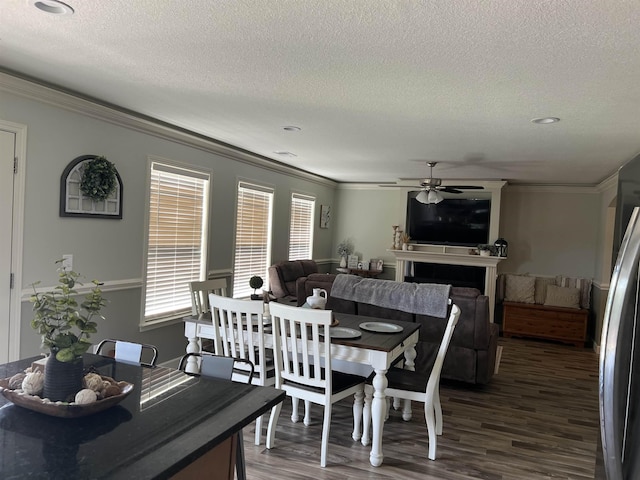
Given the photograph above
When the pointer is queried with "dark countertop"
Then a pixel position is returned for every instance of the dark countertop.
(168, 421)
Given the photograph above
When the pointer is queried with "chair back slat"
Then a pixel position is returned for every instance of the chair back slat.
(301, 348)
(239, 331)
(200, 293)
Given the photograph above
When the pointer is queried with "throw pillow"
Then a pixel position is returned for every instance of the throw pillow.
(519, 288)
(540, 294)
(562, 296)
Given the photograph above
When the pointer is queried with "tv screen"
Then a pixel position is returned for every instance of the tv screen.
(454, 221)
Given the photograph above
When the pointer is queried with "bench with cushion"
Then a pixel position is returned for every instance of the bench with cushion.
(551, 308)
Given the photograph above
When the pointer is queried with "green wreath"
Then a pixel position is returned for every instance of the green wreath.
(98, 179)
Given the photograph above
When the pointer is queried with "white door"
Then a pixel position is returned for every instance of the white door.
(7, 179)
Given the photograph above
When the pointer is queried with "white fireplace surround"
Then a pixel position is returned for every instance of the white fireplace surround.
(443, 255)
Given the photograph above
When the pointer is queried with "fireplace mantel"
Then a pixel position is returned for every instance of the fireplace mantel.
(450, 256)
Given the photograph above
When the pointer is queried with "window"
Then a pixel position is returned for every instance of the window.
(176, 239)
(253, 236)
(301, 227)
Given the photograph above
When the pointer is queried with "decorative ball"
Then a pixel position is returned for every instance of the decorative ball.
(86, 396)
(111, 391)
(93, 381)
(15, 382)
(33, 383)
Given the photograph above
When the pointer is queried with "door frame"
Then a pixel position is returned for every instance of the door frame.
(17, 236)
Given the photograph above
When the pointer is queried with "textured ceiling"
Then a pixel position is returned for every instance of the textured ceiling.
(377, 87)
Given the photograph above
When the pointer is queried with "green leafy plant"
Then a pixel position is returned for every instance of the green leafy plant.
(65, 326)
(98, 179)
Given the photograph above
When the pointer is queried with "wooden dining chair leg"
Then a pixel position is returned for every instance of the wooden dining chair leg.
(358, 408)
(271, 428)
(429, 414)
(307, 413)
(325, 435)
(258, 430)
(366, 415)
(407, 413)
(438, 411)
(295, 417)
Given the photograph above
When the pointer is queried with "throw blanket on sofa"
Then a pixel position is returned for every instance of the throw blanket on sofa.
(423, 298)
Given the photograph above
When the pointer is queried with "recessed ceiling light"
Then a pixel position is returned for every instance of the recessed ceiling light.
(53, 7)
(545, 120)
(284, 153)
(292, 128)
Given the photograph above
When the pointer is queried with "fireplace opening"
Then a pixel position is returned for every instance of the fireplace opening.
(456, 275)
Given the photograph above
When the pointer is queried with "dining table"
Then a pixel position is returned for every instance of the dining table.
(375, 348)
(172, 425)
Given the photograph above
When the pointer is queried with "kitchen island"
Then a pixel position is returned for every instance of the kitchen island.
(173, 425)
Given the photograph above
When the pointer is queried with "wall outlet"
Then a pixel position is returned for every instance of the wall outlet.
(67, 262)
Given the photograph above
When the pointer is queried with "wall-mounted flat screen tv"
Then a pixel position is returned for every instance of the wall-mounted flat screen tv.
(454, 221)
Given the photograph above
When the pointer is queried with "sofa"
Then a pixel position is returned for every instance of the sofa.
(472, 352)
(283, 276)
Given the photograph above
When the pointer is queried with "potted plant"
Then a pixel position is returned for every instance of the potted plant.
(65, 328)
(484, 249)
(256, 282)
(344, 249)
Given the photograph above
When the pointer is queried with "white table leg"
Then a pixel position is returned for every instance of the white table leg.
(378, 412)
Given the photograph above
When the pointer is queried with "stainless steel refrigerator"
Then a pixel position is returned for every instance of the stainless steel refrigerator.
(619, 385)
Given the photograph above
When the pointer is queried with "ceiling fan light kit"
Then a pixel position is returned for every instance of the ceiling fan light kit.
(433, 186)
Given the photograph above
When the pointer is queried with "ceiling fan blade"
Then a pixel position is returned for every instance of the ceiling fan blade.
(449, 190)
(466, 187)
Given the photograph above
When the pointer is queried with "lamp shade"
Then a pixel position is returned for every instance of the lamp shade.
(434, 197)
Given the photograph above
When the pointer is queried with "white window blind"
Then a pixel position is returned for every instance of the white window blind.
(253, 237)
(301, 227)
(176, 239)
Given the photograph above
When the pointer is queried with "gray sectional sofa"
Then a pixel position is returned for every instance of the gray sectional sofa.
(471, 356)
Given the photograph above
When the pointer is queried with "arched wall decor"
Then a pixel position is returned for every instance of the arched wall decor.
(73, 203)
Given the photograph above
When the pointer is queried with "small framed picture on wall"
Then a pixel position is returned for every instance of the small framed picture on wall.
(325, 216)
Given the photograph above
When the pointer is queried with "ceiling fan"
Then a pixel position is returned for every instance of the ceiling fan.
(431, 188)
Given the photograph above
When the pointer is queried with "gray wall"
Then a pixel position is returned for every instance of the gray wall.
(111, 250)
(550, 232)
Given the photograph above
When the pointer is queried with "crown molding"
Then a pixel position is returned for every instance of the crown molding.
(74, 102)
(522, 188)
(608, 183)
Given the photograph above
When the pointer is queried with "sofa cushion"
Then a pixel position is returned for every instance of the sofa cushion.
(520, 288)
(540, 294)
(563, 297)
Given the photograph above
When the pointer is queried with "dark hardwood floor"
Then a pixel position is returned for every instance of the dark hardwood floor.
(537, 419)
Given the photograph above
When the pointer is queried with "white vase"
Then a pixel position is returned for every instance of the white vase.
(317, 300)
(343, 262)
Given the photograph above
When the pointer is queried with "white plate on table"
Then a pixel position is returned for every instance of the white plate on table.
(380, 327)
(343, 332)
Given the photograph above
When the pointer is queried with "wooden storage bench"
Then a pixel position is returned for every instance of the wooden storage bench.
(568, 325)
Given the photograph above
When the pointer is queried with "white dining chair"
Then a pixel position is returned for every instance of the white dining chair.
(417, 386)
(301, 347)
(200, 293)
(128, 352)
(239, 333)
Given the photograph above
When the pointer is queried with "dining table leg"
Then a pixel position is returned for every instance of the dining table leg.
(378, 413)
